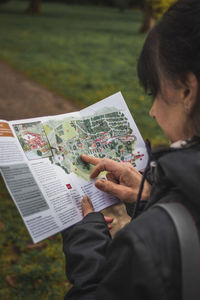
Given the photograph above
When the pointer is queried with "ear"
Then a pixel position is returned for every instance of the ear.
(190, 91)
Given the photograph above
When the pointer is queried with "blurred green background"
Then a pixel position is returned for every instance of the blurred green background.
(84, 53)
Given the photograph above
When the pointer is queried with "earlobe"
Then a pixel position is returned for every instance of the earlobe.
(187, 109)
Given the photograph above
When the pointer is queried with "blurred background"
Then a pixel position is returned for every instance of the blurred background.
(74, 53)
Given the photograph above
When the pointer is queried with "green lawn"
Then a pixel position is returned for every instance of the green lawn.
(28, 273)
(85, 54)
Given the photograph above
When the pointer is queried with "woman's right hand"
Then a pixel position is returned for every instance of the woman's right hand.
(123, 180)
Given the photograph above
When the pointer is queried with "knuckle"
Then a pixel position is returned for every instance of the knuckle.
(105, 161)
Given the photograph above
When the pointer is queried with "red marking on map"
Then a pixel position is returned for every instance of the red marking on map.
(139, 156)
(69, 186)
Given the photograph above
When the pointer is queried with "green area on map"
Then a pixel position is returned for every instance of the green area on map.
(105, 135)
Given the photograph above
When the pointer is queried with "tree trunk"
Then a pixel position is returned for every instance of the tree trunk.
(149, 21)
(34, 7)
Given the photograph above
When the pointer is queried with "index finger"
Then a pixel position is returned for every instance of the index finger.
(108, 165)
(90, 159)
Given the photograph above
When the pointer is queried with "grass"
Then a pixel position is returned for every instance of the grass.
(28, 273)
(85, 54)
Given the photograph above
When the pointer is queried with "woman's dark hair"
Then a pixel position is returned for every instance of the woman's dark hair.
(172, 47)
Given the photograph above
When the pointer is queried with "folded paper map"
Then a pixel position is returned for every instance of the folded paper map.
(42, 168)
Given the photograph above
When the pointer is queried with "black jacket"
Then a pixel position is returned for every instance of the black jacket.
(142, 262)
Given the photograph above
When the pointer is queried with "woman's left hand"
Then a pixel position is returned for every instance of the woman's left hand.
(87, 207)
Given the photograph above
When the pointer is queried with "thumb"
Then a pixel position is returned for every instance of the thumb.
(87, 206)
(122, 192)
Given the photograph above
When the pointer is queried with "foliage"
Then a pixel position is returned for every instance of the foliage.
(159, 7)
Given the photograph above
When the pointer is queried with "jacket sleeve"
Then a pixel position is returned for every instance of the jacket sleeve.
(130, 207)
(85, 246)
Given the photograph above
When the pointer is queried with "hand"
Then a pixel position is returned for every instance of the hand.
(87, 207)
(123, 180)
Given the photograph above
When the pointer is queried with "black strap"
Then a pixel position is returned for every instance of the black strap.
(189, 248)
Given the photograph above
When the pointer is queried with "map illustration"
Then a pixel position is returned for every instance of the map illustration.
(102, 135)
(33, 140)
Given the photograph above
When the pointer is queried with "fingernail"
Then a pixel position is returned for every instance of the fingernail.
(111, 220)
(100, 183)
(85, 200)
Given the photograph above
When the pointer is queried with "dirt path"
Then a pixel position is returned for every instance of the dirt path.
(23, 98)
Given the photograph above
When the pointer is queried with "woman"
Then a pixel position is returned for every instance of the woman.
(143, 259)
